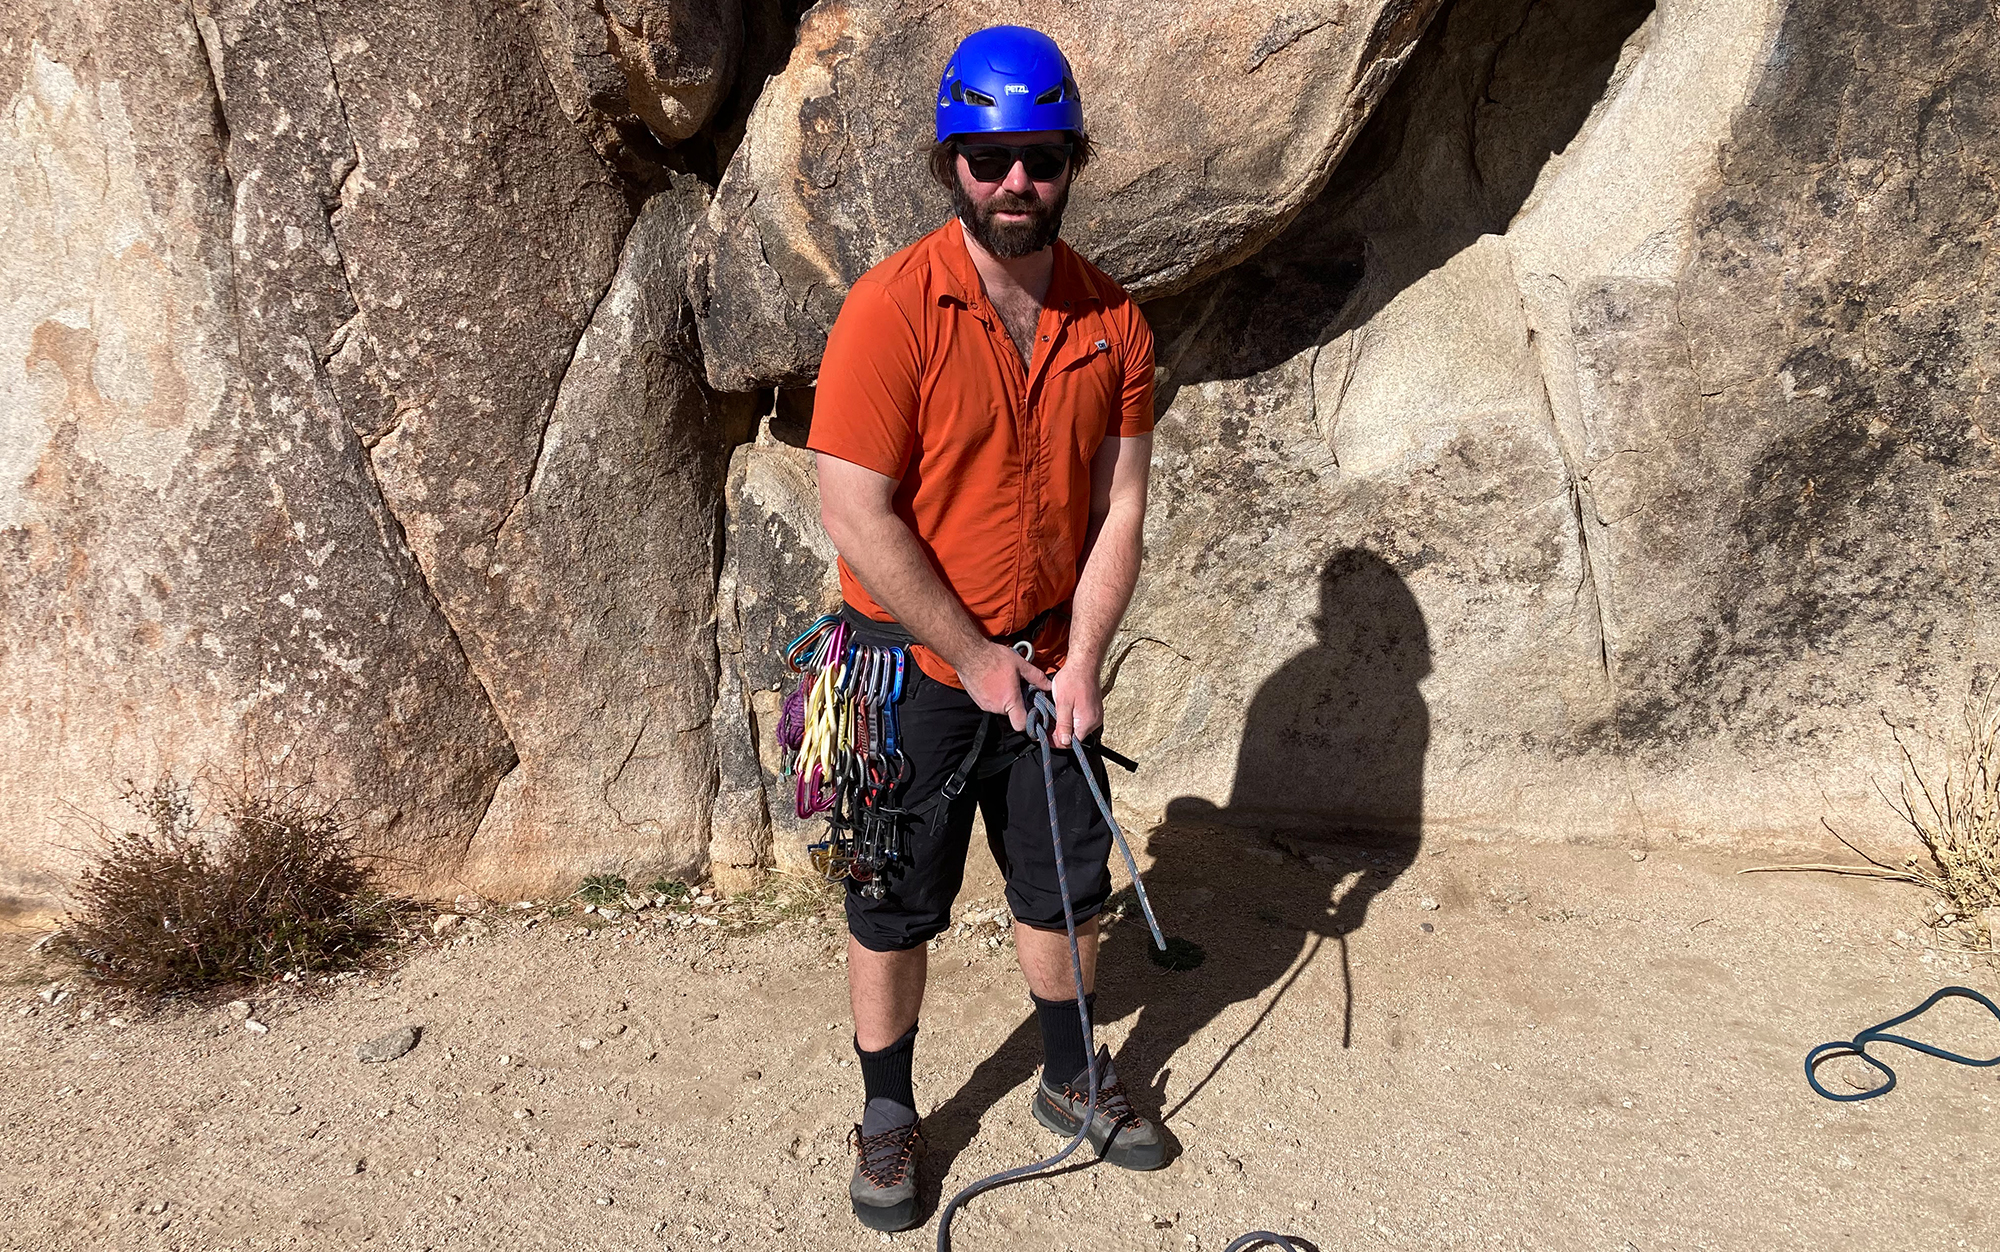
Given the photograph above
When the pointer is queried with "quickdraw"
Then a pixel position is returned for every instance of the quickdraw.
(842, 748)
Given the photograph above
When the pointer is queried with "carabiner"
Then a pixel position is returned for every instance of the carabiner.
(806, 642)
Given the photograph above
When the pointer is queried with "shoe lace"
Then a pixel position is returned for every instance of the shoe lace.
(1111, 1101)
(885, 1156)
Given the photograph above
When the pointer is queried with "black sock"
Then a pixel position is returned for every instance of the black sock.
(886, 1074)
(1065, 1052)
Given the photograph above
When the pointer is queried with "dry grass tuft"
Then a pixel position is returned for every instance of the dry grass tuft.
(178, 908)
(1957, 814)
(783, 897)
(1950, 798)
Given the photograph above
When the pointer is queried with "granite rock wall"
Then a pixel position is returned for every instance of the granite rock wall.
(1575, 416)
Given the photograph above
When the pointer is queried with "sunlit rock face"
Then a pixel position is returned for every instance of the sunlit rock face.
(354, 436)
(1574, 419)
(1604, 453)
(1215, 123)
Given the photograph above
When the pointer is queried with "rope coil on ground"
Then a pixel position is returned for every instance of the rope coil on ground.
(1879, 1033)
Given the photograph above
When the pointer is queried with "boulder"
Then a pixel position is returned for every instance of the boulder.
(198, 573)
(1602, 456)
(665, 63)
(1196, 170)
(295, 488)
(602, 656)
(545, 453)
(780, 575)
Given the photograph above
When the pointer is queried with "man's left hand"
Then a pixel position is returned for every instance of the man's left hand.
(1079, 700)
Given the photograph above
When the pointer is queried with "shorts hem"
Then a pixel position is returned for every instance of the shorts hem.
(875, 944)
(1082, 915)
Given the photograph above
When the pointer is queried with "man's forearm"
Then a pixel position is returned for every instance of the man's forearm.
(884, 555)
(1104, 584)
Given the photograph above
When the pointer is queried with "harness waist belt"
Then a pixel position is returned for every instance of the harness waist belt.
(895, 632)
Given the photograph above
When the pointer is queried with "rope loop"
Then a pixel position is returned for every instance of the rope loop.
(1879, 1033)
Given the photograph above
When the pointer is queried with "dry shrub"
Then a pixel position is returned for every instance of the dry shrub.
(1949, 795)
(1957, 811)
(176, 908)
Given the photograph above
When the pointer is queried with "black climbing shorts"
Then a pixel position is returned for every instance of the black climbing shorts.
(938, 722)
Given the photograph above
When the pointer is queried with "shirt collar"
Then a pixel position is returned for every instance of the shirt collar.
(1069, 284)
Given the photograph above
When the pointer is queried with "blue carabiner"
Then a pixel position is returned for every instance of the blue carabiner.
(808, 640)
(891, 730)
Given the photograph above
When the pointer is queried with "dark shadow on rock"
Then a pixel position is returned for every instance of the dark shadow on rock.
(1325, 812)
(1493, 91)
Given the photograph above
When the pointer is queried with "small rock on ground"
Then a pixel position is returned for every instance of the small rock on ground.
(390, 1046)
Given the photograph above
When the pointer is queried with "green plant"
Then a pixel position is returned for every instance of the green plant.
(603, 890)
(672, 888)
(176, 908)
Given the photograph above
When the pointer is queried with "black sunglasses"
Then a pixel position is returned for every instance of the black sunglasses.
(992, 162)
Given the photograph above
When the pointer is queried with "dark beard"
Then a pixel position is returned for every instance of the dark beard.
(1011, 240)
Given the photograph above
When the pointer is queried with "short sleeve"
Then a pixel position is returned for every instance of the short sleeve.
(865, 405)
(1135, 406)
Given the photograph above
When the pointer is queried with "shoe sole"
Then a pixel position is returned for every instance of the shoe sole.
(886, 1217)
(1138, 1158)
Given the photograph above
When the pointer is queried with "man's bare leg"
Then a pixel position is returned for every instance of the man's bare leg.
(1121, 1136)
(1044, 956)
(886, 990)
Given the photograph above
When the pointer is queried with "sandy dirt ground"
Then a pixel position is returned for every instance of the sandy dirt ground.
(1456, 1047)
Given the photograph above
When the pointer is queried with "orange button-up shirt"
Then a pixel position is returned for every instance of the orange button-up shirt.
(921, 383)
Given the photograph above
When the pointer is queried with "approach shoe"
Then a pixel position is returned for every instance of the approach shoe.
(1117, 1133)
(886, 1144)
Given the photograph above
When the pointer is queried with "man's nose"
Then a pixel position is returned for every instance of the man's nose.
(1017, 180)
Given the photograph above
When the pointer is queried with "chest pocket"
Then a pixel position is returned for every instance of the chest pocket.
(1088, 385)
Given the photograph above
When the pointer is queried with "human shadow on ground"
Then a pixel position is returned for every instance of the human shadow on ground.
(1325, 812)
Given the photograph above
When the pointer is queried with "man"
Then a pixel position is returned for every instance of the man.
(983, 424)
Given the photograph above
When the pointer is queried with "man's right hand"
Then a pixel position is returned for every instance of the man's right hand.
(993, 678)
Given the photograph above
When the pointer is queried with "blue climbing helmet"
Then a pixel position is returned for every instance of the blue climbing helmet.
(1007, 78)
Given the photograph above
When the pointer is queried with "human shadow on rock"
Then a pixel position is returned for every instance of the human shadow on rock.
(1325, 812)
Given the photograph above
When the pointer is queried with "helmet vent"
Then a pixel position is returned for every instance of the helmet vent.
(1053, 95)
(966, 95)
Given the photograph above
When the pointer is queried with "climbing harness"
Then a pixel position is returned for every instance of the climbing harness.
(1858, 1046)
(1041, 724)
(843, 749)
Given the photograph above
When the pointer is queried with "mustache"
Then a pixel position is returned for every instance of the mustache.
(1006, 202)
